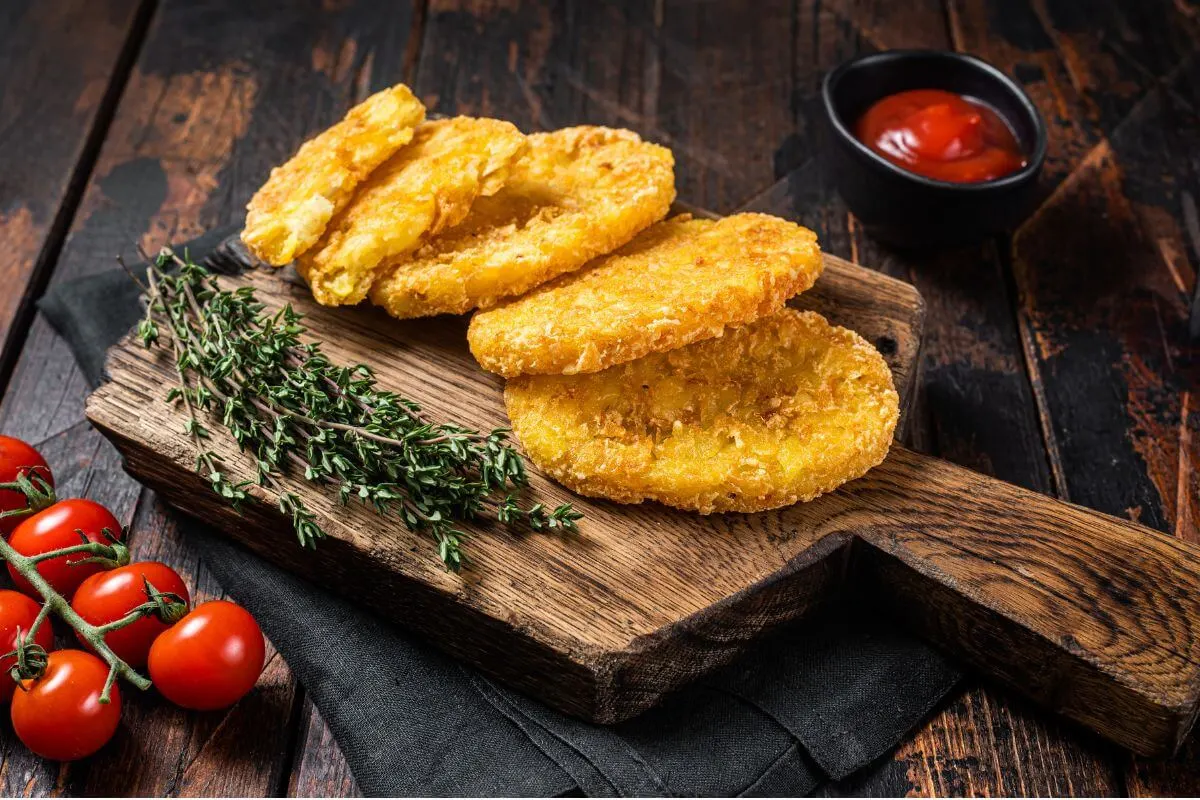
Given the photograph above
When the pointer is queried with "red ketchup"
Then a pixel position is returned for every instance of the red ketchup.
(941, 135)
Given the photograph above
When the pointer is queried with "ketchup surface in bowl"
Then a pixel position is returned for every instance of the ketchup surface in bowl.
(941, 135)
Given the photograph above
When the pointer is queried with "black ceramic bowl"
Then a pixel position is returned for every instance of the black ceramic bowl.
(908, 210)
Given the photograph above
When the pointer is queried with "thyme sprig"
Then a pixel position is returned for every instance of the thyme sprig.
(295, 412)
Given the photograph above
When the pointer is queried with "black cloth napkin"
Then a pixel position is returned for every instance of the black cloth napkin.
(815, 702)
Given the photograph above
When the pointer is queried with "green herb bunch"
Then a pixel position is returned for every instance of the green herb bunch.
(295, 412)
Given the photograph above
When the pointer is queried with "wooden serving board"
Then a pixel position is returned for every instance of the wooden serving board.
(1090, 615)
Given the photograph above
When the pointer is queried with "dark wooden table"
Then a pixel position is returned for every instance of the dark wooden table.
(1057, 359)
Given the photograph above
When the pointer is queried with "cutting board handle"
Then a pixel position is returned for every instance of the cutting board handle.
(1091, 615)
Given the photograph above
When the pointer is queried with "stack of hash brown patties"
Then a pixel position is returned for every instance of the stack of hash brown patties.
(648, 359)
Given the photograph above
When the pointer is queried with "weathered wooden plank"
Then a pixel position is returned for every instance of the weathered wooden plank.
(1085, 65)
(705, 79)
(888, 25)
(974, 407)
(1176, 777)
(729, 78)
(984, 450)
(1105, 269)
(53, 113)
(220, 92)
(539, 64)
(320, 769)
(1105, 311)
(1106, 314)
(988, 743)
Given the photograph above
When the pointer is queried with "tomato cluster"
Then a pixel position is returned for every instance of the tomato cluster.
(17, 459)
(206, 658)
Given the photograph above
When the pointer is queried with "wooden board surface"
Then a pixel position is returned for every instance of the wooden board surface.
(735, 95)
(1090, 615)
(575, 605)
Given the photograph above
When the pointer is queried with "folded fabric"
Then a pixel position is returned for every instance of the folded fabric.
(817, 701)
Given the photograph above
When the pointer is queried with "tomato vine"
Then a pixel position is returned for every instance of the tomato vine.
(31, 657)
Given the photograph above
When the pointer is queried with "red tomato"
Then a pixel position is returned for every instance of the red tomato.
(109, 596)
(18, 611)
(210, 659)
(59, 715)
(54, 528)
(17, 457)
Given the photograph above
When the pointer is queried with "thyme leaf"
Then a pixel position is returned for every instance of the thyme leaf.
(296, 413)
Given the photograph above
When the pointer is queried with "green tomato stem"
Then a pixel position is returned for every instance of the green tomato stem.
(106, 694)
(167, 606)
(106, 555)
(26, 567)
(42, 614)
(30, 657)
(39, 494)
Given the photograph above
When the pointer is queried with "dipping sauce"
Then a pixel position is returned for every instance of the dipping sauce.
(941, 135)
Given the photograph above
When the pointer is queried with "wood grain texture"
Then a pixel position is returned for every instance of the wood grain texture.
(1085, 65)
(1110, 354)
(52, 116)
(1108, 649)
(1098, 308)
(701, 78)
(974, 406)
(579, 612)
(220, 93)
(1176, 777)
(320, 771)
(989, 742)
(607, 64)
(1089, 615)
(1131, 449)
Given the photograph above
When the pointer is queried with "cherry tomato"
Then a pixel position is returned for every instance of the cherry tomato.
(59, 715)
(109, 596)
(57, 527)
(18, 611)
(17, 457)
(210, 659)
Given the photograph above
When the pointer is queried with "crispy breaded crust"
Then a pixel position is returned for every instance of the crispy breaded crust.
(289, 213)
(772, 413)
(678, 282)
(579, 193)
(425, 188)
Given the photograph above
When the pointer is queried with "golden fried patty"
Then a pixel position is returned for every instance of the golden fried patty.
(578, 193)
(289, 213)
(678, 282)
(427, 187)
(775, 412)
